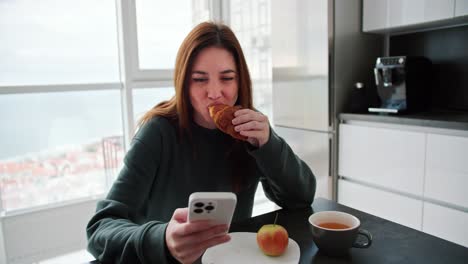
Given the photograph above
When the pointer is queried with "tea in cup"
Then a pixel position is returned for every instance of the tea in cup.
(335, 232)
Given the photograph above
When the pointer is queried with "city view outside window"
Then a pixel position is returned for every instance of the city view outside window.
(60, 146)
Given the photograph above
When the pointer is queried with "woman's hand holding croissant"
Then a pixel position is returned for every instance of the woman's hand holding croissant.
(253, 125)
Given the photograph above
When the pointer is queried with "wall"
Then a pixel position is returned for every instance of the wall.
(447, 49)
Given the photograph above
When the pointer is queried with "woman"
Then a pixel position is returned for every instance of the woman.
(178, 150)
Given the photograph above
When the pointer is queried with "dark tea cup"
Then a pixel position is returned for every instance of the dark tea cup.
(335, 232)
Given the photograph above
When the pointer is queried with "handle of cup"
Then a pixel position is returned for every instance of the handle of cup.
(366, 244)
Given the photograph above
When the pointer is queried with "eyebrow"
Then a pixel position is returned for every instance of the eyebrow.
(228, 71)
(205, 73)
(199, 72)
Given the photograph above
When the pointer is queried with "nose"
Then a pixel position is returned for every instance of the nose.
(214, 91)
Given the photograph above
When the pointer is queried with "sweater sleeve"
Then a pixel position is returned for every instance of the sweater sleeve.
(287, 180)
(116, 233)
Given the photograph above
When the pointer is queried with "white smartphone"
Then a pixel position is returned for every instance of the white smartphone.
(216, 206)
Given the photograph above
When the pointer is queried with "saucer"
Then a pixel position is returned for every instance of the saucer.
(243, 248)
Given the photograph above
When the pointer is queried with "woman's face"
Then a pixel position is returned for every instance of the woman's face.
(213, 80)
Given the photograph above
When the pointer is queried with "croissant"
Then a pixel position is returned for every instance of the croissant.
(222, 116)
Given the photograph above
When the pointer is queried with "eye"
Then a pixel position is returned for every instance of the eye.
(227, 78)
(199, 79)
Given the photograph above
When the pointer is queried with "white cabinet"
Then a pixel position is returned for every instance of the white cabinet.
(446, 223)
(438, 9)
(405, 12)
(389, 158)
(447, 169)
(375, 15)
(415, 176)
(394, 207)
(387, 15)
(461, 7)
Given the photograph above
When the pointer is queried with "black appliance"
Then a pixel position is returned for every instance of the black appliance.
(403, 84)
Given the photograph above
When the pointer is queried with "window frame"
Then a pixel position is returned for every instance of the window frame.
(131, 77)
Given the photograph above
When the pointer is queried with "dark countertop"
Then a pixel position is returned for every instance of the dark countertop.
(434, 119)
(392, 242)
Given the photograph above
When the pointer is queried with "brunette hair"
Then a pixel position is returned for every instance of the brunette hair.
(207, 34)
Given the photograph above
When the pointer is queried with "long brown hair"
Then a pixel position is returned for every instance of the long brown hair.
(179, 108)
(207, 34)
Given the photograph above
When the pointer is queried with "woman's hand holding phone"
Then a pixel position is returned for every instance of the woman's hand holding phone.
(187, 241)
(203, 224)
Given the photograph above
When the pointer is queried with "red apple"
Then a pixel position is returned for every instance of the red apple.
(272, 239)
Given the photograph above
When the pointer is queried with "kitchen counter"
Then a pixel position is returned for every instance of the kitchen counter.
(391, 243)
(434, 119)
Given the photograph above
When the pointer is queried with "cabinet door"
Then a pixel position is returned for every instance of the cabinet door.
(375, 15)
(446, 223)
(447, 169)
(438, 9)
(405, 12)
(393, 207)
(386, 157)
(409, 12)
(461, 7)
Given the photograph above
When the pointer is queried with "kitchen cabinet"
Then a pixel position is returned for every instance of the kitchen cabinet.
(461, 7)
(413, 175)
(437, 9)
(397, 208)
(388, 15)
(446, 169)
(375, 15)
(369, 154)
(445, 223)
(405, 12)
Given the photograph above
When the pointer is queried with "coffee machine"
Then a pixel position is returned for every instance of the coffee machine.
(403, 84)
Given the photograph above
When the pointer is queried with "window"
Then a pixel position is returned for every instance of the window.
(146, 98)
(65, 144)
(58, 42)
(58, 146)
(250, 20)
(162, 26)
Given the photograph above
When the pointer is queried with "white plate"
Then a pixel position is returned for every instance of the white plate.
(243, 248)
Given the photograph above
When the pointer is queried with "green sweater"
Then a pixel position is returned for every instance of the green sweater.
(159, 174)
